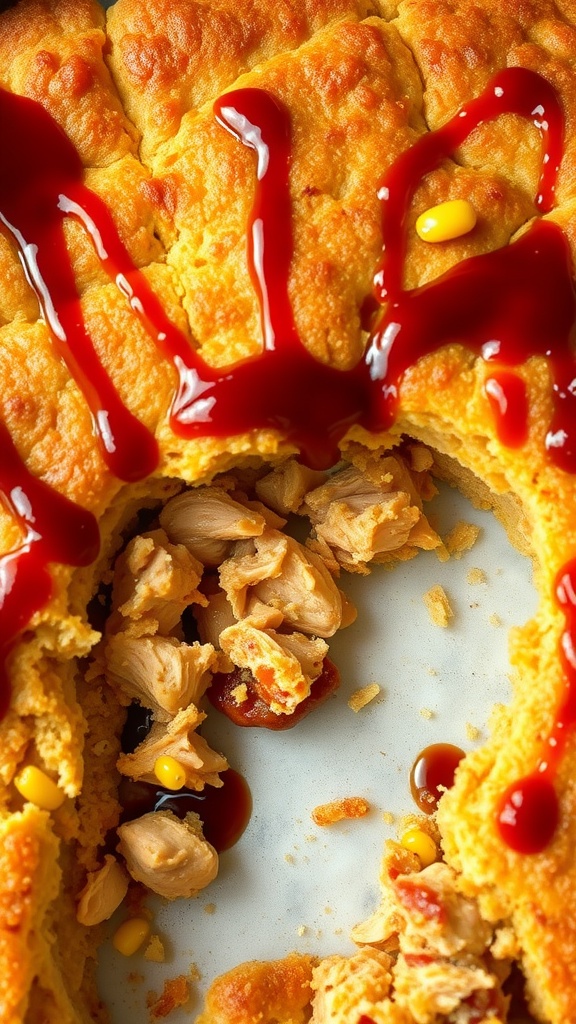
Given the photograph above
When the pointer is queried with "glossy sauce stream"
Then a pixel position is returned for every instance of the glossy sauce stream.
(505, 306)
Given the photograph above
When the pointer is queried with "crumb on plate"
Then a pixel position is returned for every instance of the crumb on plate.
(339, 810)
(438, 605)
(155, 950)
(176, 992)
(461, 538)
(474, 576)
(361, 697)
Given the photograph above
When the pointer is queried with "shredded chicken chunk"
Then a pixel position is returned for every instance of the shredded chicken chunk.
(169, 856)
(154, 579)
(160, 672)
(179, 740)
(361, 515)
(216, 616)
(285, 488)
(205, 520)
(279, 572)
(103, 893)
(283, 666)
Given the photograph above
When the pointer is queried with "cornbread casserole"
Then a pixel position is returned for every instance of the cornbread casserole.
(213, 296)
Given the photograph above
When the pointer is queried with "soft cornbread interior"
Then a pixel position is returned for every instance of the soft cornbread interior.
(134, 94)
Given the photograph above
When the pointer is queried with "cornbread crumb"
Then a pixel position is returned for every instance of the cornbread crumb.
(155, 950)
(442, 553)
(495, 620)
(311, 838)
(438, 605)
(388, 817)
(505, 945)
(327, 910)
(461, 538)
(176, 992)
(338, 810)
(301, 930)
(472, 732)
(210, 908)
(474, 576)
(288, 858)
(432, 671)
(240, 693)
(426, 713)
(360, 698)
(421, 458)
(194, 973)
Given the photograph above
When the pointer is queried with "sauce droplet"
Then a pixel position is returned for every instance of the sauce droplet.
(528, 815)
(432, 773)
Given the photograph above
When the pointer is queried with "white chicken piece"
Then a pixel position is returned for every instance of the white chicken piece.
(160, 672)
(283, 665)
(179, 740)
(364, 515)
(214, 617)
(103, 893)
(206, 520)
(285, 488)
(348, 987)
(168, 856)
(278, 571)
(271, 518)
(154, 579)
(445, 968)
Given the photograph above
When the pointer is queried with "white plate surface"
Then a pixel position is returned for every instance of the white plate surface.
(286, 874)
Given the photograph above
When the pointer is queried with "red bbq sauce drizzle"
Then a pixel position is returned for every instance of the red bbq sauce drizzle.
(529, 812)
(507, 396)
(35, 197)
(54, 530)
(505, 306)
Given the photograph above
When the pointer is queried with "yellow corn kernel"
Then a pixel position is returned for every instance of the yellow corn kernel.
(421, 844)
(170, 772)
(34, 785)
(445, 221)
(131, 935)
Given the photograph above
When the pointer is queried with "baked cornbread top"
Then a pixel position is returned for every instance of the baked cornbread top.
(358, 94)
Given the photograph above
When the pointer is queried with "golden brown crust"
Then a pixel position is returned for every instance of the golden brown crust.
(171, 58)
(262, 993)
(30, 881)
